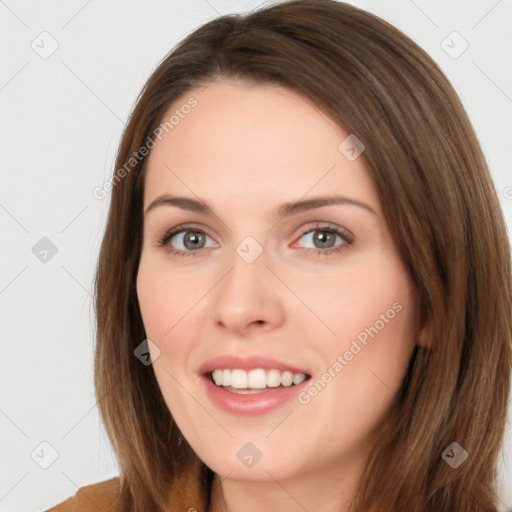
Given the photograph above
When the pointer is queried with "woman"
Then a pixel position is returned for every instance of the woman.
(238, 367)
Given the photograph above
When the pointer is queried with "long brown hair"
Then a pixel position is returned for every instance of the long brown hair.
(444, 215)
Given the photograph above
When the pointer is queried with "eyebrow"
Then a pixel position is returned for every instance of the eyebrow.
(284, 210)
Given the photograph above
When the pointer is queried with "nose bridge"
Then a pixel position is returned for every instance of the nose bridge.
(245, 279)
(247, 293)
(249, 250)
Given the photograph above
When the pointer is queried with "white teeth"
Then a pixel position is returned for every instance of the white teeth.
(287, 378)
(217, 376)
(298, 378)
(273, 378)
(239, 378)
(256, 379)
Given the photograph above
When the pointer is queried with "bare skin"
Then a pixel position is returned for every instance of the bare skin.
(246, 150)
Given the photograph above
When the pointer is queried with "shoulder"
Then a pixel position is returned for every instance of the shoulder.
(95, 498)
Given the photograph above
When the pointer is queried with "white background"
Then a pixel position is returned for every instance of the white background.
(62, 118)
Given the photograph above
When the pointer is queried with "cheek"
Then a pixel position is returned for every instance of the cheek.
(364, 367)
(171, 309)
(370, 356)
(164, 296)
(163, 305)
(348, 300)
(370, 312)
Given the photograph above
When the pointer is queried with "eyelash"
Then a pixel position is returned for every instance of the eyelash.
(342, 233)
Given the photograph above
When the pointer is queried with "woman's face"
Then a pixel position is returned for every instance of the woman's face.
(271, 279)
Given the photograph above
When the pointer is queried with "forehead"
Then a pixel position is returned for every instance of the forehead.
(265, 140)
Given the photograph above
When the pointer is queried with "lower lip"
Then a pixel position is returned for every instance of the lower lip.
(250, 404)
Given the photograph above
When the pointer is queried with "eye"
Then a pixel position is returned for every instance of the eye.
(188, 240)
(324, 237)
(184, 240)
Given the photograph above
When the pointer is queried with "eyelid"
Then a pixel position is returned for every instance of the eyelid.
(327, 226)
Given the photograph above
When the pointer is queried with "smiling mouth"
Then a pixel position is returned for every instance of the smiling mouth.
(255, 381)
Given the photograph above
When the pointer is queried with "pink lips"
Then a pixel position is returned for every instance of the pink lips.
(249, 404)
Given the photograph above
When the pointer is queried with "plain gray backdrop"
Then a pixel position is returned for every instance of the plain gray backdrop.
(69, 78)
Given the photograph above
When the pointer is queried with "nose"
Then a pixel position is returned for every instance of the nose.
(248, 297)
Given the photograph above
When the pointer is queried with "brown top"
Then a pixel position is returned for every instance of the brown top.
(186, 494)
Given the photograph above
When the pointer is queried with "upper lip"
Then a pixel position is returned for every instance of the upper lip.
(247, 363)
